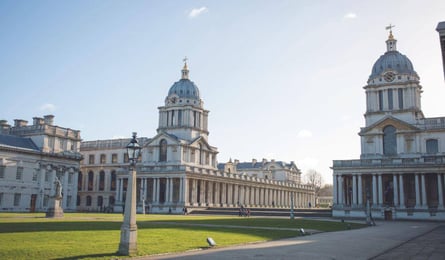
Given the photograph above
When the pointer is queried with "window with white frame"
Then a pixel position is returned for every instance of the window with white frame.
(19, 174)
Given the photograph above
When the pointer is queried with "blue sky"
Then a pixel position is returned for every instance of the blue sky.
(282, 79)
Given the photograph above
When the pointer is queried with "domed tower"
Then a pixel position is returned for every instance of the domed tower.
(184, 115)
(393, 87)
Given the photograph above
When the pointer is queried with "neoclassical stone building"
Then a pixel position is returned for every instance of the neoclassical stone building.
(401, 169)
(31, 158)
(178, 167)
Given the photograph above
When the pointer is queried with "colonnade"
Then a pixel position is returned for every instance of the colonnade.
(194, 192)
(416, 190)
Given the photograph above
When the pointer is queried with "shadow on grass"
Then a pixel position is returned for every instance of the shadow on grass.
(88, 256)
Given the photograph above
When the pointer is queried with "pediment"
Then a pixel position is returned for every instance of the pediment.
(378, 126)
(171, 139)
(202, 141)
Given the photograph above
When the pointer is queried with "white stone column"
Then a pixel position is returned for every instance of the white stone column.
(230, 194)
(374, 190)
(360, 192)
(395, 190)
(181, 190)
(402, 192)
(424, 202)
(354, 190)
(170, 190)
(416, 181)
(222, 192)
(340, 190)
(440, 190)
(380, 190)
(335, 186)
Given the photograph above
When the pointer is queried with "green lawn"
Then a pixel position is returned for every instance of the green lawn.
(86, 236)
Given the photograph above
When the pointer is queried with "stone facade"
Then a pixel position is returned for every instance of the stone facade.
(31, 157)
(401, 169)
(178, 167)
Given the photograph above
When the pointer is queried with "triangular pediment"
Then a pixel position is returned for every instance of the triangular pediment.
(378, 126)
(171, 139)
(203, 141)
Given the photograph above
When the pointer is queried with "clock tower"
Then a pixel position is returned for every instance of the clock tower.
(183, 114)
(393, 87)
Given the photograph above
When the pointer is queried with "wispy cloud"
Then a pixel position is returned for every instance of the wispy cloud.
(350, 16)
(304, 133)
(48, 107)
(195, 12)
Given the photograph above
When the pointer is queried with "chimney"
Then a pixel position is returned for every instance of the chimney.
(4, 127)
(264, 160)
(49, 119)
(236, 161)
(253, 161)
(20, 122)
(38, 121)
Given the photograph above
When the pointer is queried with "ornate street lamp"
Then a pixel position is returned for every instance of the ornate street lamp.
(129, 229)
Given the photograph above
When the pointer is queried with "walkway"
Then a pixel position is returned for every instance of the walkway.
(380, 241)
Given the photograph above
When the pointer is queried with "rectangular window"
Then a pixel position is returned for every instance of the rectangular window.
(34, 175)
(400, 96)
(2, 171)
(125, 157)
(47, 174)
(390, 99)
(17, 198)
(91, 159)
(114, 158)
(1, 198)
(103, 158)
(380, 100)
(19, 174)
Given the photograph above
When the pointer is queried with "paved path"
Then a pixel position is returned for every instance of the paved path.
(379, 241)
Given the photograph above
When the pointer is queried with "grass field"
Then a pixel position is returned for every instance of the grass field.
(88, 236)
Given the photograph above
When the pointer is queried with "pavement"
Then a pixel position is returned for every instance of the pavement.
(386, 240)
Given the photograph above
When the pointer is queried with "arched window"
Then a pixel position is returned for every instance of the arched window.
(90, 180)
(200, 153)
(111, 200)
(79, 181)
(163, 150)
(100, 201)
(113, 180)
(432, 146)
(101, 180)
(389, 140)
(88, 200)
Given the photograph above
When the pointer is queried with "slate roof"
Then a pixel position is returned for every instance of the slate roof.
(18, 142)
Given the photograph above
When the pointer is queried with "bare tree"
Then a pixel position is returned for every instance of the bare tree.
(314, 179)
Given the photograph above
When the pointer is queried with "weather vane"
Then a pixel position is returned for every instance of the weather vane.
(185, 59)
(389, 27)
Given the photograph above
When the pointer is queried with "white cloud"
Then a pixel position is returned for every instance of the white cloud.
(195, 12)
(304, 133)
(48, 107)
(350, 16)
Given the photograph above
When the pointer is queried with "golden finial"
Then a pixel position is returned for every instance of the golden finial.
(185, 70)
(389, 27)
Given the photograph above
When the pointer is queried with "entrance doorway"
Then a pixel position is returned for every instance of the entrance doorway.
(32, 206)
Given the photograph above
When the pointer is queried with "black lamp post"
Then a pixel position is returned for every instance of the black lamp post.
(128, 241)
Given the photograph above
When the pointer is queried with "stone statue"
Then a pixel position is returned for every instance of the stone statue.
(58, 189)
(55, 210)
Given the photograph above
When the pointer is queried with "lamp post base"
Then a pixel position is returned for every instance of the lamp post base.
(128, 243)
